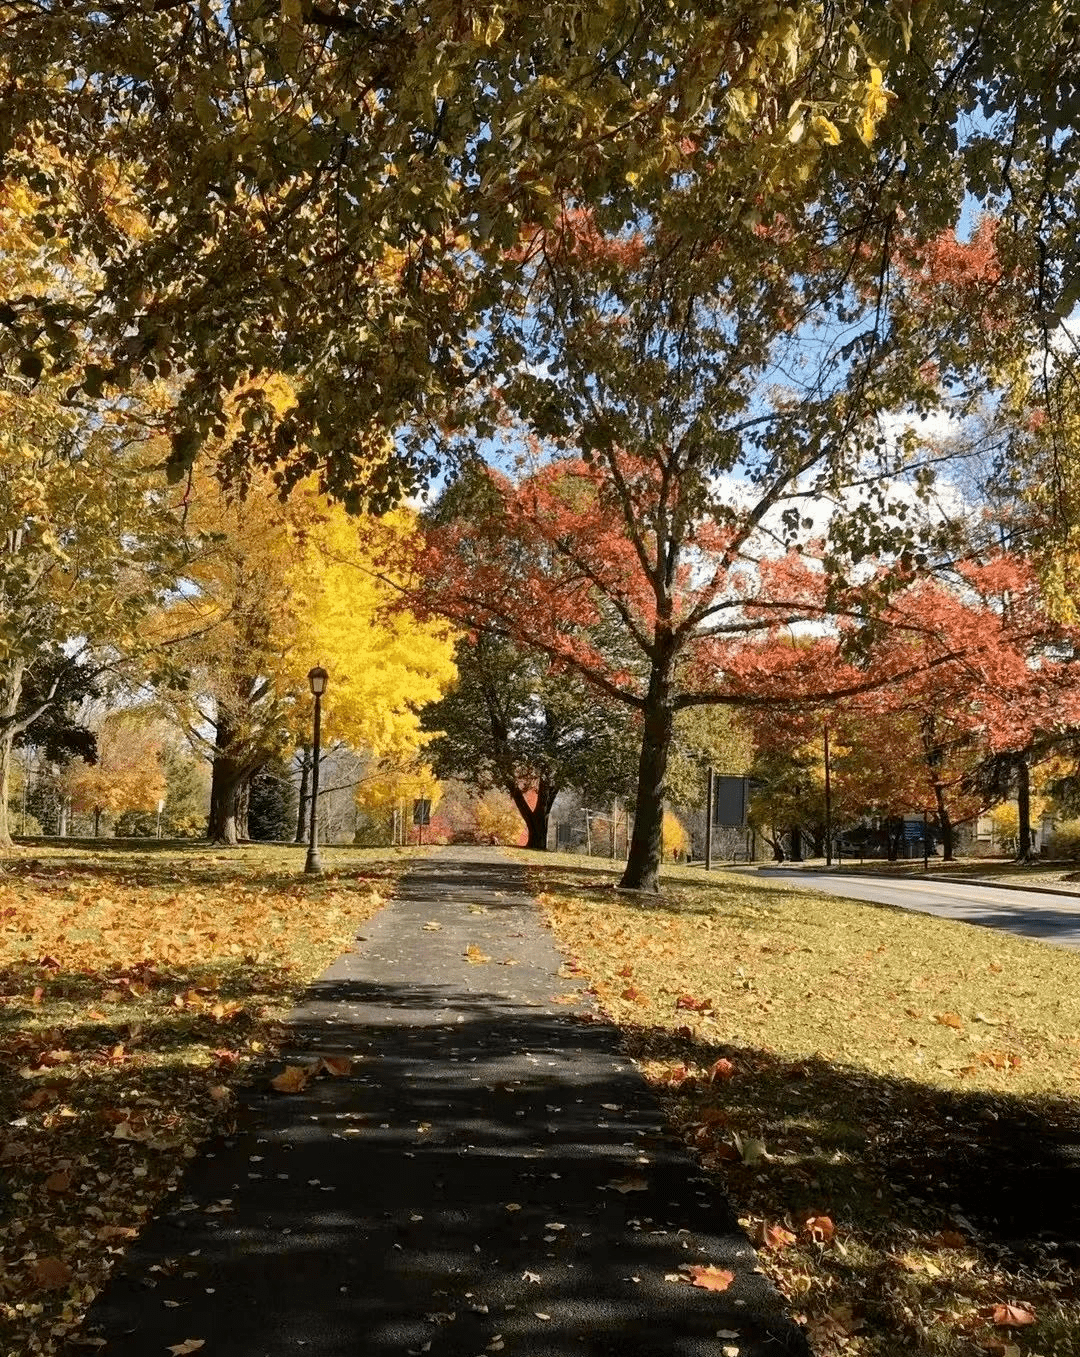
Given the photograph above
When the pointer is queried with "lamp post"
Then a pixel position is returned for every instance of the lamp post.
(317, 678)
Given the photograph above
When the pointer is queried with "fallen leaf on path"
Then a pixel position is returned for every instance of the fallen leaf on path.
(292, 1079)
(531, 1277)
(710, 1277)
(625, 1185)
(336, 1065)
(431, 927)
(188, 1345)
(475, 955)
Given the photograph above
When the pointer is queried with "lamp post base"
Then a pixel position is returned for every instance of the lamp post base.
(313, 863)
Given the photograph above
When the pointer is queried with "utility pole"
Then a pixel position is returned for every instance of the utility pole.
(828, 802)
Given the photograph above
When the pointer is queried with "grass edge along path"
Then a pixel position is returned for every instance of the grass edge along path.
(891, 1100)
(138, 991)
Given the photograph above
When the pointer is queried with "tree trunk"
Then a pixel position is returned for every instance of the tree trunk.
(62, 825)
(646, 844)
(796, 844)
(945, 824)
(535, 817)
(97, 822)
(305, 777)
(10, 693)
(1024, 850)
(243, 805)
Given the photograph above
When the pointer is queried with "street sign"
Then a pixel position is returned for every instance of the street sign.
(421, 811)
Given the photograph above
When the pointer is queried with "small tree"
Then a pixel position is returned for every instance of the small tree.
(128, 774)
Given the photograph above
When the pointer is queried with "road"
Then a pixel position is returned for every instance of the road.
(1047, 918)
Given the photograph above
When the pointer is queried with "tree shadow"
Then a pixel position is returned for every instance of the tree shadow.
(488, 1177)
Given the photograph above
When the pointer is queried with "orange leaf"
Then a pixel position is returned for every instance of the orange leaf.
(952, 1020)
(337, 1065)
(1012, 1316)
(776, 1237)
(820, 1229)
(710, 1277)
(723, 1069)
(109, 1232)
(292, 1079)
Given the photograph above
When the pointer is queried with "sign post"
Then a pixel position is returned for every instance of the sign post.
(421, 816)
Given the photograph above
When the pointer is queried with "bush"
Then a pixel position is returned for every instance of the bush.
(1065, 841)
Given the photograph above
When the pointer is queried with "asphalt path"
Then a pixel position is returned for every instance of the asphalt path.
(1032, 914)
(492, 1177)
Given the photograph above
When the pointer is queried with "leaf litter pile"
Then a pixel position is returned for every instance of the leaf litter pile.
(891, 1101)
(136, 991)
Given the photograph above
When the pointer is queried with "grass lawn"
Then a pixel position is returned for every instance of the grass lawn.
(137, 987)
(892, 1100)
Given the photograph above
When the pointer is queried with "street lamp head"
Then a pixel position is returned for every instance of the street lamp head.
(317, 678)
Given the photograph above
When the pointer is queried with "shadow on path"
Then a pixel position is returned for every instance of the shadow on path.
(492, 1177)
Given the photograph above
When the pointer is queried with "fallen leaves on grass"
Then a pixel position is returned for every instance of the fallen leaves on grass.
(136, 989)
(889, 1126)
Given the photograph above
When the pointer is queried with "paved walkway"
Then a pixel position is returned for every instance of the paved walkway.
(1041, 914)
(491, 1178)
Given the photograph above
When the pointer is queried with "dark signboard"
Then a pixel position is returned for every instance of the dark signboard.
(421, 811)
(731, 802)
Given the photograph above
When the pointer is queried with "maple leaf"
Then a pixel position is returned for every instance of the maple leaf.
(709, 1277)
(292, 1079)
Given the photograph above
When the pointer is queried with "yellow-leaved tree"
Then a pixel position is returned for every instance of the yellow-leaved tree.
(276, 587)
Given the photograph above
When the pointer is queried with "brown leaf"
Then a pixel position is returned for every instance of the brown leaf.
(630, 994)
(820, 1229)
(219, 1093)
(688, 1001)
(60, 1181)
(110, 1232)
(948, 1239)
(626, 972)
(188, 1345)
(625, 1185)
(50, 1274)
(710, 1277)
(292, 1079)
(775, 1236)
(1012, 1316)
(952, 1020)
(336, 1065)
(722, 1069)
